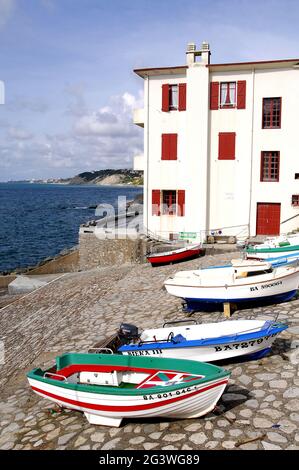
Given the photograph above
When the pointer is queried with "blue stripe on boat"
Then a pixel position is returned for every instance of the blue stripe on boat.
(271, 329)
(257, 355)
(197, 303)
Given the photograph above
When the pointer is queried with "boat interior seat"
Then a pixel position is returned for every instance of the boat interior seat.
(178, 338)
(242, 274)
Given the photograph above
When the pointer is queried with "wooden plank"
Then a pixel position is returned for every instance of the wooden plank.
(226, 309)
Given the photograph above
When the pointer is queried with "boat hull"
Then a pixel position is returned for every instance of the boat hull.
(207, 354)
(188, 402)
(193, 304)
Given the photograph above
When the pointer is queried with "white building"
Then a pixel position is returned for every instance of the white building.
(220, 147)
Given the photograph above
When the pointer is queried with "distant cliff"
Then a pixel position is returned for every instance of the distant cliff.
(108, 177)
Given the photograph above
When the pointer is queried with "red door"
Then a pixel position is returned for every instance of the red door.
(268, 219)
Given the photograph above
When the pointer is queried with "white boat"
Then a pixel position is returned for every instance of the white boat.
(242, 282)
(110, 387)
(206, 342)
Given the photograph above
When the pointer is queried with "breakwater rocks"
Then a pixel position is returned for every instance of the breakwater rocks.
(258, 410)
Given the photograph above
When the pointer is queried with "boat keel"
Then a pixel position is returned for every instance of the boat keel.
(103, 420)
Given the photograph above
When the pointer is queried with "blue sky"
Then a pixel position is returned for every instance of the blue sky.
(67, 68)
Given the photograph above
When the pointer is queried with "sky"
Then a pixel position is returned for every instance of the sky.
(67, 68)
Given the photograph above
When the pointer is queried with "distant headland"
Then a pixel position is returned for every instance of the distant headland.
(106, 177)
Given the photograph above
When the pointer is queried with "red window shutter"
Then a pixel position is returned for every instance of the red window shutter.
(182, 96)
(214, 95)
(173, 146)
(156, 202)
(226, 147)
(165, 147)
(241, 94)
(165, 98)
(181, 202)
(169, 146)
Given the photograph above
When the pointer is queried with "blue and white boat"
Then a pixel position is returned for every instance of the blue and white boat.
(284, 260)
(207, 342)
(244, 281)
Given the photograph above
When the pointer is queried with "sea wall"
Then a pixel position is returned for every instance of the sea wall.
(61, 264)
(95, 252)
(5, 280)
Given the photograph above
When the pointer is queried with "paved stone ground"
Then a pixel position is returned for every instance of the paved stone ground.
(259, 409)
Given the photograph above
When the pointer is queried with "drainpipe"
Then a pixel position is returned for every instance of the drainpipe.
(251, 151)
(147, 151)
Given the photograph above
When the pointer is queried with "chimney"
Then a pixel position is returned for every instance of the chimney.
(192, 53)
(205, 52)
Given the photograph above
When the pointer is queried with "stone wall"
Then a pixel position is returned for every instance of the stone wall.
(95, 252)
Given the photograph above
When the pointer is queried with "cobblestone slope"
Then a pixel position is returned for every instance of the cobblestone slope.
(259, 409)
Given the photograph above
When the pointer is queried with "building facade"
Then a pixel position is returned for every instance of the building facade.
(220, 147)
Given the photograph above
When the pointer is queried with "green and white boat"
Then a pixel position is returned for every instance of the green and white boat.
(274, 247)
(110, 387)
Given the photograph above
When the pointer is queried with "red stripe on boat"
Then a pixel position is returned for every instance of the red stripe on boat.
(147, 406)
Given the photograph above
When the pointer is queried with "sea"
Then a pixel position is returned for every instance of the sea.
(38, 221)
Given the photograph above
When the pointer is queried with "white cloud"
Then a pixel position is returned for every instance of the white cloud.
(6, 10)
(106, 138)
(114, 120)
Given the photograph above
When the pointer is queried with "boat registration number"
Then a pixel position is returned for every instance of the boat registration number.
(244, 344)
(265, 286)
(145, 353)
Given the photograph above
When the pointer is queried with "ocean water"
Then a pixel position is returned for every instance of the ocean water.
(40, 220)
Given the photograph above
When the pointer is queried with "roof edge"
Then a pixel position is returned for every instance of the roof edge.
(143, 72)
(257, 62)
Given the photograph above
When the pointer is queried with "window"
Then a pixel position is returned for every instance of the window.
(271, 113)
(270, 166)
(173, 97)
(228, 94)
(169, 202)
(295, 200)
(296, 176)
(226, 145)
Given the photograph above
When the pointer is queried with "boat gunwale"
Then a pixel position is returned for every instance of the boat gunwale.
(166, 254)
(278, 249)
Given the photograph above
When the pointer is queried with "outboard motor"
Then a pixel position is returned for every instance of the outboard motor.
(127, 333)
